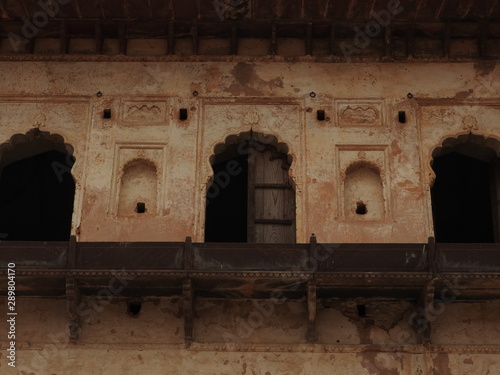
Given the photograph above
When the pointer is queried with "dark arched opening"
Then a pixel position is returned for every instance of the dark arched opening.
(252, 197)
(36, 191)
(464, 194)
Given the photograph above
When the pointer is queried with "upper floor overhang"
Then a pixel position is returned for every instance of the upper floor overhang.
(330, 30)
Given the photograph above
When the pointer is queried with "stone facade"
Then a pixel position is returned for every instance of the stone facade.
(373, 148)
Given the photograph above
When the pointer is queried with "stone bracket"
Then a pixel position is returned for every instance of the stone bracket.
(188, 307)
(73, 298)
(421, 320)
(311, 310)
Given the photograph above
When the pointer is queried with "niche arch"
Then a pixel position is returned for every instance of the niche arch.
(37, 187)
(465, 189)
(138, 188)
(250, 196)
(364, 195)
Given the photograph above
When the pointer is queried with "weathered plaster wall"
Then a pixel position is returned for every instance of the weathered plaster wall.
(361, 102)
(241, 338)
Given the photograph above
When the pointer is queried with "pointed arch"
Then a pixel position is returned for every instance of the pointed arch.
(466, 189)
(251, 196)
(37, 188)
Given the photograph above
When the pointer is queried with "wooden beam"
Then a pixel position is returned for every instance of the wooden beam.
(278, 10)
(188, 254)
(102, 9)
(439, 10)
(64, 38)
(234, 38)
(99, 40)
(388, 42)
(482, 45)
(274, 47)
(466, 9)
(410, 42)
(432, 256)
(3, 12)
(372, 9)
(150, 9)
(122, 36)
(421, 321)
(72, 253)
(311, 310)
(350, 10)
(251, 209)
(73, 300)
(417, 8)
(331, 46)
(171, 37)
(188, 309)
(77, 8)
(25, 8)
(309, 37)
(447, 39)
(195, 37)
(326, 9)
(31, 45)
(492, 8)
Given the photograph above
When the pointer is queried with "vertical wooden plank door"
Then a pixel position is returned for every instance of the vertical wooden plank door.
(271, 199)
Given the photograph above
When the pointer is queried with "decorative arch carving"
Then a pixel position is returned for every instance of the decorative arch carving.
(464, 196)
(32, 143)
(37, 187)
(475, 145)
(266, 139)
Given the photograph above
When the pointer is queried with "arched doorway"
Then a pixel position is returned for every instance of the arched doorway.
(36, 188)
(466, 190)
(252, 196)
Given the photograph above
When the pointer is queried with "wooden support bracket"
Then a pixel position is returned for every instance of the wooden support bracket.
(73, 298)
(72, 252)
(188, 306)
(432, 256)
(188, 254)
(421, 320)
(311, 310)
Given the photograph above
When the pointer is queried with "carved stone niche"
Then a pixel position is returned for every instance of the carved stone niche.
(363, 190)
(152, 112)
(138, 176)
(359, 113)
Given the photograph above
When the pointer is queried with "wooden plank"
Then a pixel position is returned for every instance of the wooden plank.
(251, 199)
(311, 310)
(272, 186)
(274, 221)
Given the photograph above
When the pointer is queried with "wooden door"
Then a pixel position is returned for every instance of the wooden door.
(271, 199)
